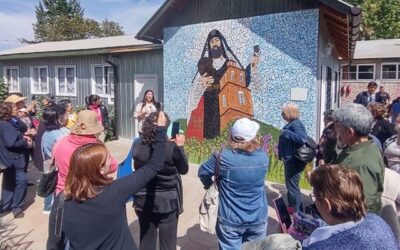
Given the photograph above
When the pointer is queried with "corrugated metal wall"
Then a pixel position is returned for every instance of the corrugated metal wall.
(148, 62)
(129, 64)
(210, 10)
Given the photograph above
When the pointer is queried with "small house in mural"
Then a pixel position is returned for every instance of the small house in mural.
(234, 98)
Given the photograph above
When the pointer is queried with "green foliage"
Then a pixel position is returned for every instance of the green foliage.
(60, 20)
(3, 90)
(200, 151)
(381, 18)
(111, 131)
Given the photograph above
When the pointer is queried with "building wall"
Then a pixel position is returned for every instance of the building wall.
(357, 86)
(288, 59)
(326, 60)
(129, 64)
(198, 11)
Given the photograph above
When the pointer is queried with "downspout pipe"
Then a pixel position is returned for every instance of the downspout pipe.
(117, 90)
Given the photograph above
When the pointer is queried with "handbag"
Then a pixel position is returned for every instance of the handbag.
(48, 181)
(208, 209)
(307, 151)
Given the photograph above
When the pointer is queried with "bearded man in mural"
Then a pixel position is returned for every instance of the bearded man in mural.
(204, 102)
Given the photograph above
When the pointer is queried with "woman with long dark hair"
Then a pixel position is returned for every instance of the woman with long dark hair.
(145, 107)
(159, 203)
(94, 209)
(94, 103)
(55, 119)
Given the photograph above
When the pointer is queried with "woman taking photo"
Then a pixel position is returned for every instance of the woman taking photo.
(243, 208)
(339, 197)
(293, 136)
(144, 108)
(94, 209)
(12, 147)
(159, 203)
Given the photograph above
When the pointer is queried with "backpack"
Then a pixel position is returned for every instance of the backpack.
(307, 151)
(208, 209)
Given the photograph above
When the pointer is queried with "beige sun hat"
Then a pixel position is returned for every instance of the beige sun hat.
(14, 98)
(87, 123)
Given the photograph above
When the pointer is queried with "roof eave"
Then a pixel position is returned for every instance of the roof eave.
(124, 49)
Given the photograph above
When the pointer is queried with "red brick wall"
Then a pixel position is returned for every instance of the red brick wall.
(393, 88)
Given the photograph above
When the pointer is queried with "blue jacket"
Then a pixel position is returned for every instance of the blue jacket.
(293, 135)
(372, 233)
(12, 144)
(242, 196)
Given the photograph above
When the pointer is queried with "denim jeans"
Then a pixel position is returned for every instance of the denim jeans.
(293, 170)
(232, 238)
(15, 181)
(48, 202)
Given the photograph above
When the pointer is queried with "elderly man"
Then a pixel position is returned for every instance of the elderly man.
(352, 124)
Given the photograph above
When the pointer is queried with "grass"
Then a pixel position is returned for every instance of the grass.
(199, 151)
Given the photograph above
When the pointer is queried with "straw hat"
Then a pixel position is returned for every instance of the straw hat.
(87, 123)
(14, 98)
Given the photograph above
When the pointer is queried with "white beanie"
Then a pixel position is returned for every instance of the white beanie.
(244, 129)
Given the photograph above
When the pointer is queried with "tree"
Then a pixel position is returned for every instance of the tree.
(3, 90)
(381, 18)
(60, 20)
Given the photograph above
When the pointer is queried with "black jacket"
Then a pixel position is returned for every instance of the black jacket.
(383, 130)
(161, 194)
(12, 143)
(362, 98)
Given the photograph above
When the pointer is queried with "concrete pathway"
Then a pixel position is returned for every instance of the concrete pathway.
(30, 232)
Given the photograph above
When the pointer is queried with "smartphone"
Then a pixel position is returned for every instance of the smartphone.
(256, 50)
(33, 97)
(174, 129)
(283, 214)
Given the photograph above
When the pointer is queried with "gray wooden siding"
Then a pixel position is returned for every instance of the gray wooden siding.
(148, 62)
(197, 11)
(129, 64)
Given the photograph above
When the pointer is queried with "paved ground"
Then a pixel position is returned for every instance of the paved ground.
(30, 232)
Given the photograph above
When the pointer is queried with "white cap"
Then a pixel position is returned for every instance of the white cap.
(244, 129)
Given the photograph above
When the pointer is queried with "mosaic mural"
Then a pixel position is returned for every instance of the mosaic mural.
(218, 71)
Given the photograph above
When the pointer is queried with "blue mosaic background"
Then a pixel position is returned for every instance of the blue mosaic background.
(288, 44)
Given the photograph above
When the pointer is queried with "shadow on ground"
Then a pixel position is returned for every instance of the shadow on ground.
(9, 239)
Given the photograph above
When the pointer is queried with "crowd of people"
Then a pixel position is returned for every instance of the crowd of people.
(355, 178)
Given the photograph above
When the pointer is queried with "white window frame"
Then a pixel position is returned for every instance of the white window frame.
(31, 79)
(397, 71)
(224, 101)
(57, 81)
(5, 78)
(357, 72)
(92, 77)
(241, 98)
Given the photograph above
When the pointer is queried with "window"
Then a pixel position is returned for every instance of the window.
(65, 81)
(224, 101)
(11, 75)
(103, 80)
(39, 80)
(241, 78)
(241, 97)
(232, 75)
(390, 71)
(358, 72)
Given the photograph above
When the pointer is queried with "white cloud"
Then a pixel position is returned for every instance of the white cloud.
(133, 19)
(14, 26)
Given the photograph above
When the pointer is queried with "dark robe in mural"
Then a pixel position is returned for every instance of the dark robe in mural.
(203, 106)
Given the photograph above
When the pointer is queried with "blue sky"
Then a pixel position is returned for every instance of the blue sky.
(17, 16)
